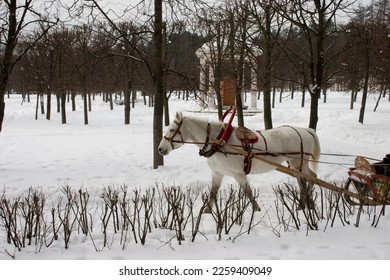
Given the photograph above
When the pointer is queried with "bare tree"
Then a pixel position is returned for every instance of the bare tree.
(269, 24)
(214, 27)
(237, 13)
(315, 21)
(368, 36)
(16, 17)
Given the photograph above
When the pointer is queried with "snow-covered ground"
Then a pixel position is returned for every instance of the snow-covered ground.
(47, 156)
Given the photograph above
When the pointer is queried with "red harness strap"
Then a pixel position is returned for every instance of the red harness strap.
(248, 138)
(223, 136)
(228, 128)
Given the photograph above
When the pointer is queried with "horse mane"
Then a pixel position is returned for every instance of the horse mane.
(204, 120)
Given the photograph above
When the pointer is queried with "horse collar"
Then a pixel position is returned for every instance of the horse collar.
(223, 135)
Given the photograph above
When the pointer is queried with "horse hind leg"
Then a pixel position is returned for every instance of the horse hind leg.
(305, 194)
(244, 184)
(306, 188)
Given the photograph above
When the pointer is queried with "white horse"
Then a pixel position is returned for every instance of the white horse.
(295, 145)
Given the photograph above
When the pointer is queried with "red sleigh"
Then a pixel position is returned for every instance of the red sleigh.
(366, 182)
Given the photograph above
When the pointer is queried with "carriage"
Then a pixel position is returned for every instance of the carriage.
(370, 181)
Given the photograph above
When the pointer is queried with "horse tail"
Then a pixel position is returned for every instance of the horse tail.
(316, 152)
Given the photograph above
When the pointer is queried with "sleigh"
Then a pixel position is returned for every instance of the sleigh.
(372, 188)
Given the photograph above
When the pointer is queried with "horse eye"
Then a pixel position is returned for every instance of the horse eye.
(172, 130)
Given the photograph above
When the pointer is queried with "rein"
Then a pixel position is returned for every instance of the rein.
(222, 139)
(218, 144)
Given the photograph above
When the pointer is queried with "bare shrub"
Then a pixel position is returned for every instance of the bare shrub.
(110, 211)
(290, 200)
(9, 218)
(129, 214)
(177, 202)
(230, 211)
(66, 214)
(195, 220)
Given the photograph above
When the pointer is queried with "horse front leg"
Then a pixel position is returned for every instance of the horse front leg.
(244, 184)
(216, 179)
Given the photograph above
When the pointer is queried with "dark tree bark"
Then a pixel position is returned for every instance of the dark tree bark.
(63, 107)
(267, 69)
(126, 100)
(48, 106)
(365, 87)
(6, 65)
(85, 105)
(158, 85)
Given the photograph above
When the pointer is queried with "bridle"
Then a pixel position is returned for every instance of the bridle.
(176, 132)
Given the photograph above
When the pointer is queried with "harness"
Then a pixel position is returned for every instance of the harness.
(222, 138)
(246, 136)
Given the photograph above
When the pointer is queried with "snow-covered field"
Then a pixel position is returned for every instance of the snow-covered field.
(47, 156)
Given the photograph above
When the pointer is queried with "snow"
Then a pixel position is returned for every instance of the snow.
(47, 156)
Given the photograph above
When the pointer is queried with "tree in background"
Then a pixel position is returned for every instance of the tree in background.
(15, 17)
(314, 22)
(268, 24)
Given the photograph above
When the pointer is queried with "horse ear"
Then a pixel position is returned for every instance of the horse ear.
(179, 115)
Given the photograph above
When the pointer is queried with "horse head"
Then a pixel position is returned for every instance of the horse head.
(173, 137)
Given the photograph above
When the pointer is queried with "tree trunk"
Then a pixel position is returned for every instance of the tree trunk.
(240, 115)
(158, 85)
(281, 94)
(314, 108)
(58, 103)
(63, 107)
(133, 98)
(36, 107)
(324, 93)
(303, 96)
(366, 81)
(383, 91)
(42, 104)
(73, 98)
(2, 109)
(85, 103)
(273, 97)
(364, 96)
(6, 65)
(166, 110)
(90, 101)
(292, 90)
(48, 106)
(319, 70)
(352, 99)
(267, 71)
(126, 100)
(111, 101)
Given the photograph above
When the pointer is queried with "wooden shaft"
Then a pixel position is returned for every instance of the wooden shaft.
(296, 173)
